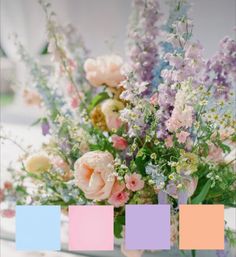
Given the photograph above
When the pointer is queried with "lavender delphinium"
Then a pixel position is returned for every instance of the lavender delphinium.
(143, 50)
(221, 69)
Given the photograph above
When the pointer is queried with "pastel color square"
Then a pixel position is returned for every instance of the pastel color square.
(91, 228)
(147, 227)
(38, 228)
(201, 227)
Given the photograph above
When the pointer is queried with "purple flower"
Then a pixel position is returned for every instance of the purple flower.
(143, 48)
(45, 127)
(221, 69)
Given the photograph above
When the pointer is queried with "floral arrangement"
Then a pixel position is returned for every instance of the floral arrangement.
(158, 128)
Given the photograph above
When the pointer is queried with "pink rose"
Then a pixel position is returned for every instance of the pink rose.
(134, 182)
(119, 142)
(104, 70)
(94, 174)
(118, 196)
(119, 199)
(182, 137)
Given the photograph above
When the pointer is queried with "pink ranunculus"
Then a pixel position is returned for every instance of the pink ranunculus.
(119, 199)
(94, 172)
(182, 137)
(134, 182)
(119, 143)
(169, 142)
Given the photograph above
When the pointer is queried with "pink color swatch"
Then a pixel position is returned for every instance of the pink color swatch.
(91, 228)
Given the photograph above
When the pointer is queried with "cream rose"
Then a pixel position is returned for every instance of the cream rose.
(37, 163)
(94, 174)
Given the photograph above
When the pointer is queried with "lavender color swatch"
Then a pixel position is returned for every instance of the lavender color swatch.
(147, 227)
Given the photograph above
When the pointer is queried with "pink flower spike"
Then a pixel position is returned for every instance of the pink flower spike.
(134, 182)
(119, 142)
(182, 137)
(119, 199)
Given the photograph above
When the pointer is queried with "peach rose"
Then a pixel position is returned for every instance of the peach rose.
(104, 70)
(94, 174)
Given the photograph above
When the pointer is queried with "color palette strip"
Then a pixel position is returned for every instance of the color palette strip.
(148, 227)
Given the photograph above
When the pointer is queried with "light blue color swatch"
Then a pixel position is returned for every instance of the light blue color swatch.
(38, 228)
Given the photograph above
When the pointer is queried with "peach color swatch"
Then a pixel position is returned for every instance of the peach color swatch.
(91, 228)
(201, 227)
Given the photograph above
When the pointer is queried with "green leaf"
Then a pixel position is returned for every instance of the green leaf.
(142, 158)
(202, 195)
(118, 226)
(97, 99)
(224, 147)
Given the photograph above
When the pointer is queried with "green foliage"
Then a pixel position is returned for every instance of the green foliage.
(97, 99)
(142, 158)
(118, 226)
(203, 193)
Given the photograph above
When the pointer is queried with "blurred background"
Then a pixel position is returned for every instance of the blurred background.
(102, 25)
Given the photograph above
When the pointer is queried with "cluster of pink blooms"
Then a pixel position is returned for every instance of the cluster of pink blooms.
(182, 115)
(133, 182)
(185, 63)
